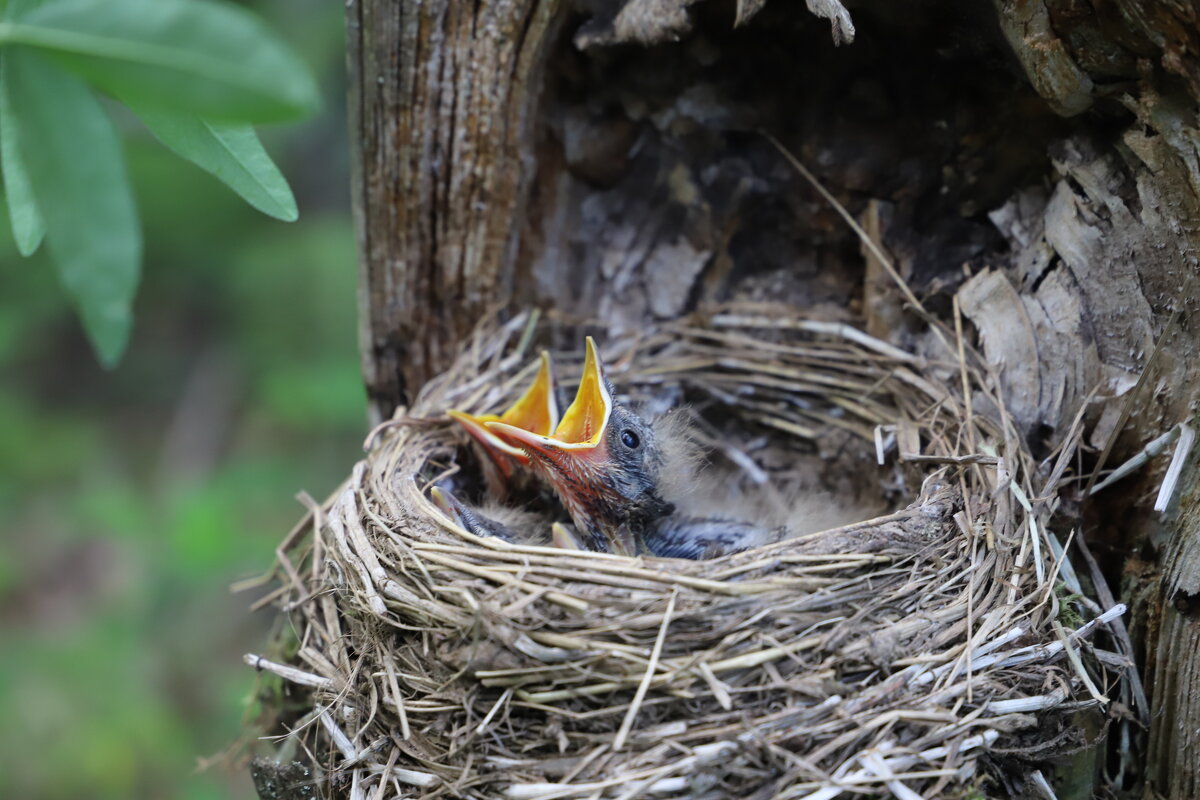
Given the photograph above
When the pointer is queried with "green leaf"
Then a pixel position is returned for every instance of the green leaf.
(229, 151)
(210, 59)
(27, 225)
(16, 8)
(78, 175)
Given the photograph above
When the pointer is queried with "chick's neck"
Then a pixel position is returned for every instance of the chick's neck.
(609, 520)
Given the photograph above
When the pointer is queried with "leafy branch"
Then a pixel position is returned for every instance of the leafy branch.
(198, 73)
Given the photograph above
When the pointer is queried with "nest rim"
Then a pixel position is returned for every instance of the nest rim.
(384, 563)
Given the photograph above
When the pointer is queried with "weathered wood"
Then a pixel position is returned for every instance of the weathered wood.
(1174, 768)
(1123, 223)
(441, 101)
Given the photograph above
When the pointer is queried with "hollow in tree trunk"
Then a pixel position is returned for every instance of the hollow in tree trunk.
(1034, 164)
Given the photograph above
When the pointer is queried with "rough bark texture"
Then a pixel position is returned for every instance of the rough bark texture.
(441, 95)
(1113, 253)
(1037, 160)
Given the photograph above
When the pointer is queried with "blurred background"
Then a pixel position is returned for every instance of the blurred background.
(130, 500)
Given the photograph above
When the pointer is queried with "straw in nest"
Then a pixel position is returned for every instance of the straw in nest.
(893, 657)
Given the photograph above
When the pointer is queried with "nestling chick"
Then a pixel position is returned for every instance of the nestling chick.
(504, 466)
(510, 524)
(613, 475)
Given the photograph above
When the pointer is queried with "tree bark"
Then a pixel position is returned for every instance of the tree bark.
(1038, 159)
(1128, 228)
(441, 98)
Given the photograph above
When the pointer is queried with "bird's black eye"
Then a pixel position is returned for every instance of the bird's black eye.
(630, 439)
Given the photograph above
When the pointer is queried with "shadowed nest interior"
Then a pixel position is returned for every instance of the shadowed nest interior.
(916, 651)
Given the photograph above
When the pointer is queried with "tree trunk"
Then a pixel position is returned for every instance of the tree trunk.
(1038, 159)
(441, 113)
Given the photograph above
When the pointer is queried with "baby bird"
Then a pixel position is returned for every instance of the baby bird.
(535, 411)
(510, 524)
(614, 475)
(476, 521)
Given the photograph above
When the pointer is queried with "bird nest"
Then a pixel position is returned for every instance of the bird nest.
(912, 654)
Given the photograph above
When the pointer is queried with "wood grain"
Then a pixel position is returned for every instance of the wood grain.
(441, 101)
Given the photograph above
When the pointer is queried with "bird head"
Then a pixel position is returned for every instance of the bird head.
(602, 460)
(535, 411)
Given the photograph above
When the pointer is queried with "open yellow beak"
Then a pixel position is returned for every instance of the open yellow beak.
(535, 411)
(583, 424)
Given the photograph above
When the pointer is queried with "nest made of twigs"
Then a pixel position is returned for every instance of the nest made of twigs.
(880, 658)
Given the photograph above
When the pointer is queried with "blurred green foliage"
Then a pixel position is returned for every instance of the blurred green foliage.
(197, 73)
(132, 499)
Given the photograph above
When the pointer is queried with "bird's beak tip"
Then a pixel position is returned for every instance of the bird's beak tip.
(446, 503)
(460, 416)
(472, 423)
(562, 537)
(583, 423)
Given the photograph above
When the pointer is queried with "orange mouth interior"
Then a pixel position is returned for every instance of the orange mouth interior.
(535, 411)
(584, 421)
